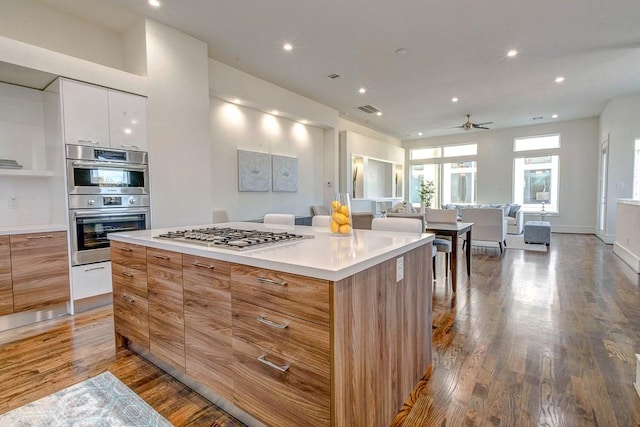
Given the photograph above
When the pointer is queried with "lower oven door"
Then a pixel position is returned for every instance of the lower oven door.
(89, 229)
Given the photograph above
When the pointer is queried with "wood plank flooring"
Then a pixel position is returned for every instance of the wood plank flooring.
(530, 339)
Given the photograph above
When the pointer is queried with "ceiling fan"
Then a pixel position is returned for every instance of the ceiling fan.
(468, 125)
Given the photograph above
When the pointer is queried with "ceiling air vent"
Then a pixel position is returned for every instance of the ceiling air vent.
(370, 109)
(334, 76)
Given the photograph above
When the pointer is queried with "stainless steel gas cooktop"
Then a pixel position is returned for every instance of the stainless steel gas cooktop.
(231, 238)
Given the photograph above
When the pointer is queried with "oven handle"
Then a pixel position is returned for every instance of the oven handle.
(119, 212)
(110, 165)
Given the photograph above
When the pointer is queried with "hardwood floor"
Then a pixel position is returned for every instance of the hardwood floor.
(529, 339)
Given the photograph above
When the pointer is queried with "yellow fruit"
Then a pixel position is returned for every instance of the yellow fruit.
(340, 218)
(335, 205)
(335, 227)
(344, 209)
(345, 229)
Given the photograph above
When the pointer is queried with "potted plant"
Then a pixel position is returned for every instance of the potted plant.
(426, 193)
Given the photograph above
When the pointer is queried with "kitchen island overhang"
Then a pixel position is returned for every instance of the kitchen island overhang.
(331, 330)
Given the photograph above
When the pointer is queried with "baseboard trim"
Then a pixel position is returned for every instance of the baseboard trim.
(631, 259)
(572, 229)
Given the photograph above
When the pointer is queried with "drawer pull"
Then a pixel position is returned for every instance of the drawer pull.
(262, 319)
(197, 264)
(128, 299)
(93, 268)
(162, 257)
(124, 248)
(125, 274)
(273, 365)
(90, 141)
(271, 281)
(129, 146)
(46, 236)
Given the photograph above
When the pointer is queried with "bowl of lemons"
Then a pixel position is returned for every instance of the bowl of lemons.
(341, 215)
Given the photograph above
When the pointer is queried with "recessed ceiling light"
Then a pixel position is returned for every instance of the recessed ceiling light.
(275, 112)
(512, 53)
(303, 121)
(154, 3)
(362, 90)
(379, 113)
(236, 100)
(288, 47)
(554, 116)
(401, 51)
(419, 133)
(454, 99)
(559, 79)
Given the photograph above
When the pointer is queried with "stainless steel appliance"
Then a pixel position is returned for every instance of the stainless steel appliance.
(231, 238)
(92, 170)
(93, 216)
(108, 192)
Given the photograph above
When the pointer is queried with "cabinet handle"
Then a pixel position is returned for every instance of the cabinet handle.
(124, 248)
(90, 141)
(125, 274)
(271, 281)
(162, 257)
(128, 146)
(48, 236)
(128, 299)
(94, 268)
(273, 365)
(262, 319)
(197, 264)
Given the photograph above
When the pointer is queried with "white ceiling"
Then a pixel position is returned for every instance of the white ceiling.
(454, 48)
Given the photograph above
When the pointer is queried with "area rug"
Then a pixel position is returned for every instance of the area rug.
(513, 242)
(99, 401)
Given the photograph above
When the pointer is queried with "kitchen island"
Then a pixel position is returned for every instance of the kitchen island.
(326, 330)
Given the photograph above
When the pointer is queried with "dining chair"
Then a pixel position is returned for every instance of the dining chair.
(408, 225)
(442, 243)
(279, 219)
(320, 220)
(220, 215)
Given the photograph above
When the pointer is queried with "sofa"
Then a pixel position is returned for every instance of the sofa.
(512, 213)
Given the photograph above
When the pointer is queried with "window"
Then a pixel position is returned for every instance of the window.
(535, 185)
(636, 171)
(451, 170)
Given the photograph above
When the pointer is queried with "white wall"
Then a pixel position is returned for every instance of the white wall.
(578, 168)
(180, 141)
(37, 24)
(236, 127)
(620, 120)
(344, 124)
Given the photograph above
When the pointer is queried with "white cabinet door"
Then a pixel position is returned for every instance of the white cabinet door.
(85, 111)
(128, 121)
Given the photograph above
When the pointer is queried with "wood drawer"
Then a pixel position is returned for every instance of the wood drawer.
(207, 293)
(297, 296)
(164, 258)
(6, 286)
(296, 397)
(39, 270)
(129, 279)
(164, 284)
(129, 255)
(290, 337)
(130, 313)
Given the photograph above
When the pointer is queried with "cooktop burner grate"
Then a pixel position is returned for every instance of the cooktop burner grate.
(231, 238)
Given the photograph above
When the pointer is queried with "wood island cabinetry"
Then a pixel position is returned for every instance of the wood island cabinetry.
(284, 349)
(6, 286)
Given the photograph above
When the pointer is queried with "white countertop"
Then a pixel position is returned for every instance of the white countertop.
(326, 256)
(36, 228)
(629, 202)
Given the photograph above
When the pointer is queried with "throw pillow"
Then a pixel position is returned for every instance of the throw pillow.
(506, 209)
(514, 210)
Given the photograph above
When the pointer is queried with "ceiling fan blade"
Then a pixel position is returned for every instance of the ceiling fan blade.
(480, 127)
(482, 124)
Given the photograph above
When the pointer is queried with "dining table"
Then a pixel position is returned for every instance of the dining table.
(453, 229)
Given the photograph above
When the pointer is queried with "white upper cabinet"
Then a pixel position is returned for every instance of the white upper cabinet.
(101, 117)
(128, 121)
(86, 114)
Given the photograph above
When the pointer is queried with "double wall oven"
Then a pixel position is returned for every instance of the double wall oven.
(108, 192)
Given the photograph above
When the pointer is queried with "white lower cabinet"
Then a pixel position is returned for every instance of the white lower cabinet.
(91, 280)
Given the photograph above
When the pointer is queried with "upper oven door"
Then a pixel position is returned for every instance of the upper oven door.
(96, 177)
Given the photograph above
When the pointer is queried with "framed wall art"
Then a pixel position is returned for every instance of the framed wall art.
(285, 173)
(254, 173)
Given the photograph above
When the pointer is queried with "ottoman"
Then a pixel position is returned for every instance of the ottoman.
(537, 232)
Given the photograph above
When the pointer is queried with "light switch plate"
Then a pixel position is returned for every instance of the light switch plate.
(399, 269)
